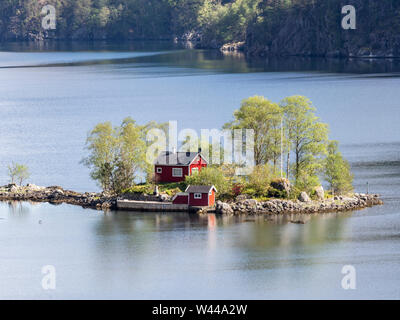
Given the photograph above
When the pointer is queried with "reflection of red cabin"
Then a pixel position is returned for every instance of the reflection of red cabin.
(174, 166)
(196, 196)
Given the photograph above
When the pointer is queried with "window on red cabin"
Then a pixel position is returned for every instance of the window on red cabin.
(197, 195)
(195, 170)
(159, 170)
(177, 172)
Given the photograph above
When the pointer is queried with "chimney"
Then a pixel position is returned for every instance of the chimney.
(199, 150)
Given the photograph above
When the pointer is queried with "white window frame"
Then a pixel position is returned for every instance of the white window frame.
(195, 170)
(198, 195)
(177, 175)
(159, 170)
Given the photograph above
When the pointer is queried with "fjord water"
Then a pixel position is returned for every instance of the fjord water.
(51, 96)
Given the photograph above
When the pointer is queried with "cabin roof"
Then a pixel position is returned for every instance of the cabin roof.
(176, 158)
(199, 189)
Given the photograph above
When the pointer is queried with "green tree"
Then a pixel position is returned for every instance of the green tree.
(82, 17)
(18, 173)
(116, 154)
(306, 137)
(164, 127)
(337, 170)
(184, 15)
(264, 117)
(308, 176)
(226, 22)
(212, 176)
(260, 179)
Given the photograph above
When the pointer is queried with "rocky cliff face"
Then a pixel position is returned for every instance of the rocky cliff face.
(316, 30)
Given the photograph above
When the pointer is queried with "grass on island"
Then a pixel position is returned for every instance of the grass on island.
(148, 188)
(175, 187)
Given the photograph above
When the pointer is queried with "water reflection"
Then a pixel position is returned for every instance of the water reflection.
(175, 244)
(74, 46)
(215, 60)
(251, 232)
(176, 55)
(137, 255)
(20, 209)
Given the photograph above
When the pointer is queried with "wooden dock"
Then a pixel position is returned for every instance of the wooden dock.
(151, 206)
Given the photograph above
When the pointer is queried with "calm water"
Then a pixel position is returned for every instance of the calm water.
(51, 96)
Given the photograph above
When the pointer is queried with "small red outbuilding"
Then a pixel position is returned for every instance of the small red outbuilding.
(196, 196)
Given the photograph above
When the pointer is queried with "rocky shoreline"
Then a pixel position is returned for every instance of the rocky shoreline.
(242, 205)
(265, 51)
(57, 195)
(278, 206)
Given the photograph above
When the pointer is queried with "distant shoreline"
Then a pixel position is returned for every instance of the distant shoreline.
(225, 48)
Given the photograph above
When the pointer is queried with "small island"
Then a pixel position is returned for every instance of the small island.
(292, 154)
(243, 204)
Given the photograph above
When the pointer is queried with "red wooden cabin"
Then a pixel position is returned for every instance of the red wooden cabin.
(174, 166)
